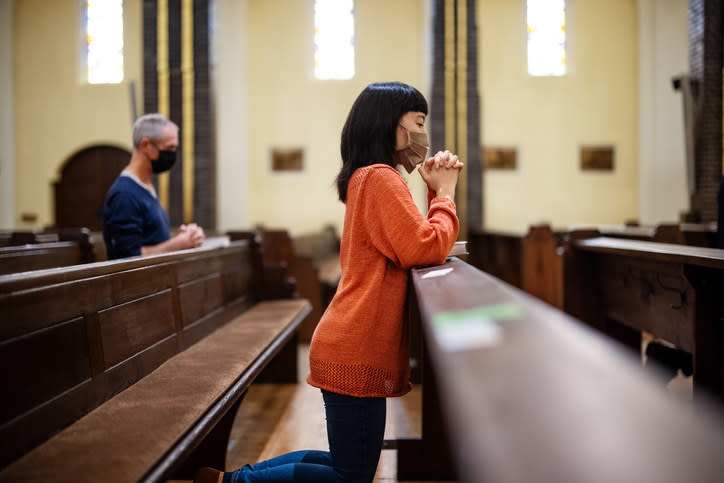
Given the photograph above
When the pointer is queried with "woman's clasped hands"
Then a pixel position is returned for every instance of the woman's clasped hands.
(441, 172)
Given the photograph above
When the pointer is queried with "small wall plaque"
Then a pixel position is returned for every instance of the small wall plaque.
(597, 158)
(29, 217)
(500, 158)
(287, 159)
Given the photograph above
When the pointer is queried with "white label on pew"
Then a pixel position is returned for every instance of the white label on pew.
(471, 329)
(437, 273)
(469, 334)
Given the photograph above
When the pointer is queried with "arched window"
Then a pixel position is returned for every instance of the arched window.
(333, 39)
(546, 37)
(104, 50)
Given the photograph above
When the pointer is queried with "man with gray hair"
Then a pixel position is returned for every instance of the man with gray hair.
(134, 222)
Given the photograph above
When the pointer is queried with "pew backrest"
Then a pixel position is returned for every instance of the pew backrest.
(673, 292)
(56, 248)
(22, 258)
(71, 338)
(311, 259)
(497, 252)
(318, 245)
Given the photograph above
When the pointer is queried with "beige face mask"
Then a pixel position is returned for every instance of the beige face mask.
(414, 152)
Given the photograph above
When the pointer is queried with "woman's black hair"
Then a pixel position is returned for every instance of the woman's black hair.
(368, 136)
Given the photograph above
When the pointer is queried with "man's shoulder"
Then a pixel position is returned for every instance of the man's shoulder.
(128, 186)
(122, 183)
(125, 190)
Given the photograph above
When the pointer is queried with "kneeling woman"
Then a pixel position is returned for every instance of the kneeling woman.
(359, 354)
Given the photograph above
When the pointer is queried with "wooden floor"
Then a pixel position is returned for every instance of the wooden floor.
(277, 418)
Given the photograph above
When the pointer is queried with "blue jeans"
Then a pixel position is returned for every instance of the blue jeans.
(355, 430)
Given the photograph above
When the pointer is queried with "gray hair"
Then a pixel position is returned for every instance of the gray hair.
(150, 126)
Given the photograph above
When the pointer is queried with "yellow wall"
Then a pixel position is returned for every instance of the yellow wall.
(547, 119)
(282, 105)
(56, 112)
(288, 107)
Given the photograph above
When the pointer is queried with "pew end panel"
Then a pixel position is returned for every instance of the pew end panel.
(541, 265)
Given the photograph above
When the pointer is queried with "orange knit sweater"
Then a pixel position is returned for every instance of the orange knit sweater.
(360, 346)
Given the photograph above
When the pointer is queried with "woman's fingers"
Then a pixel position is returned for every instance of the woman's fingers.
(442, 160)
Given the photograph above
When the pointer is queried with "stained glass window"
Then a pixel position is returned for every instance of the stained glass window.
(104, 26)
(546, 37)
(333, 39)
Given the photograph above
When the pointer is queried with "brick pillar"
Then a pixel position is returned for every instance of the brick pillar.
(470, 203)
(705, 64)
(204, 171)
(474, 162)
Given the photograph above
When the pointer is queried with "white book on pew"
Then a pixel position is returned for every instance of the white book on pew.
(216, 242)
(459, 248)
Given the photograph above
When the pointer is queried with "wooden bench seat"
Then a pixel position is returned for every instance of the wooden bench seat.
(527, 393)
(146, 431)
(74, 339)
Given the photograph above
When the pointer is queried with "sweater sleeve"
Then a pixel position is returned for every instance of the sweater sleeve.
(124, 224)
(398, 229)
(430, 197)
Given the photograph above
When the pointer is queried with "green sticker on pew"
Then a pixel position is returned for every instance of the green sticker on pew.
(498, 313)
(473, 329)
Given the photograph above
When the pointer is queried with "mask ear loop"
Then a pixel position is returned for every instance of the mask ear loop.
(409, 139)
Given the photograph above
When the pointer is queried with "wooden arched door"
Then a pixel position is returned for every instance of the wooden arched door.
(84, 182)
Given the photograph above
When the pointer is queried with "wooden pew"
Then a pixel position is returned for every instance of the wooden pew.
(497, 252)
(673, 292)
(22, 258)
(274, 278)
(532, 260)
(323, 248)
(32, 237)
(529, 261)
(5, 237)
(39, 250)
(629, 232)
(691, 234)
(527, 393)
(132, 369)
(312, 260)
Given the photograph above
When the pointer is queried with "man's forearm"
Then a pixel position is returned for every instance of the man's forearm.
(170, 245)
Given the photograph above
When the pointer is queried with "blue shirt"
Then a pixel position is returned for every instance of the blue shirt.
(132, 218)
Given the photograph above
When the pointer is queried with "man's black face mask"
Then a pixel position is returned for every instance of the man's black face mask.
(165, 161)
